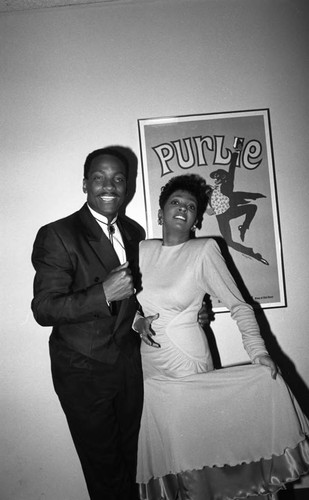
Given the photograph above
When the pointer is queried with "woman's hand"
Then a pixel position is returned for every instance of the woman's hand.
(144, 327)
(267, 361)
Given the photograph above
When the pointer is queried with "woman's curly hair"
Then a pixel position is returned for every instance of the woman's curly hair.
(195, 185)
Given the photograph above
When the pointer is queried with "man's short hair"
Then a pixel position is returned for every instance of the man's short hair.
(104, 151)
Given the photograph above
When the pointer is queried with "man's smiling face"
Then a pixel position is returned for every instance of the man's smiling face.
(106, 185)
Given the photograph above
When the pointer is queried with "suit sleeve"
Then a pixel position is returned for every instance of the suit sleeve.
(57, 300)
(223, 286)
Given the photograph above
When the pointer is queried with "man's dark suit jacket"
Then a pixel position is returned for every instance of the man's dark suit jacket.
(72, 257)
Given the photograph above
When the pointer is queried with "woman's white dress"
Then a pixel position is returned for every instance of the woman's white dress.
(205, 433)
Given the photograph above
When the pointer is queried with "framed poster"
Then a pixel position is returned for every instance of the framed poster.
(233, 152)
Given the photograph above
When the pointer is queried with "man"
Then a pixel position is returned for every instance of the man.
(86, 271)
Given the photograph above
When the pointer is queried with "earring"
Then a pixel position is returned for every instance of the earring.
(193, 228)
(160, 220)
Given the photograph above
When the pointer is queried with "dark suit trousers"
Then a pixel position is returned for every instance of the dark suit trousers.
(103, 405)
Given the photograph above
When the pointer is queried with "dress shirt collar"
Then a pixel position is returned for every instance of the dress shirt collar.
(100, 217)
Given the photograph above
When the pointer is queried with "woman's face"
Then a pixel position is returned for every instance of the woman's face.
(179, 212)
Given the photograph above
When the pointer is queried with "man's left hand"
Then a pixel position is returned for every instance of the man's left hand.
(205, 315)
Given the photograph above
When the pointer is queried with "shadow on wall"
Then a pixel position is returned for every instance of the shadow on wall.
(285, 364)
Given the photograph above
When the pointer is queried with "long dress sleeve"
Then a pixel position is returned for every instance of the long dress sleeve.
(222, 286)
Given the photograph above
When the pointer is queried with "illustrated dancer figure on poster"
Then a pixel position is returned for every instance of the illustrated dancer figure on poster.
(227, 204)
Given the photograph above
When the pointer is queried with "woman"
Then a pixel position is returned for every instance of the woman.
(206, 434)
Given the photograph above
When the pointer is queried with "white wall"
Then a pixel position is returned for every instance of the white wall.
(74, 79)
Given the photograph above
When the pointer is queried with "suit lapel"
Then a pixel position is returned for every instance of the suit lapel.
(98, 241)
(127, 240)
(129, 247)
